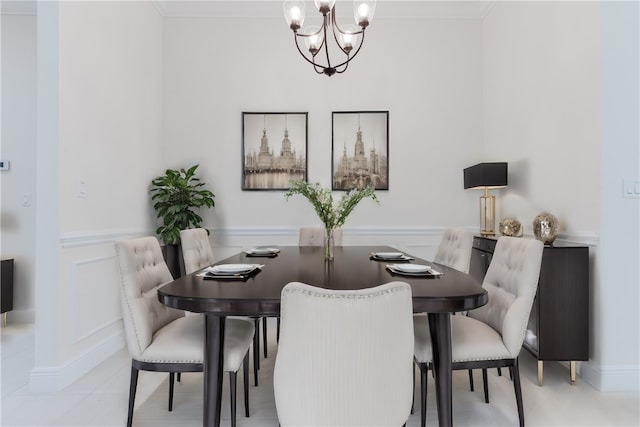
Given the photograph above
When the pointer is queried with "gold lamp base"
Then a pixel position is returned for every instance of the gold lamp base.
(487, 214)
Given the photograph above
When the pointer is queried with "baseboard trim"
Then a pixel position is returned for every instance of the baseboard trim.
(612, 378)
(55, 378)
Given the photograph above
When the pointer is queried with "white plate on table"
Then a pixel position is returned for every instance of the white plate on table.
(262, 251)
(410, 268)
(233, 268)
(388, 255)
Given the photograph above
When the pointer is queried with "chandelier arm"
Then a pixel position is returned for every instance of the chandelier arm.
(326, 44)
(312, 62)
(346, 65)
(335, 26)
(352, 56)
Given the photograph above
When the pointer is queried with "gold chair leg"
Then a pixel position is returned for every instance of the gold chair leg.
(540, 369)
(572, 364)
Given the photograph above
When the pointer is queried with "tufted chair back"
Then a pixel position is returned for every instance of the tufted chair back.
(345, 358)
(196, 249)
(142, 271)
(314, 236)
(455, 249)
(511, 282)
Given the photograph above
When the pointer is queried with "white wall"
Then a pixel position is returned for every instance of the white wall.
(560, 87)
(101, 84)
(617, 319)
(19, 148)
(541, 105)
(426, 76)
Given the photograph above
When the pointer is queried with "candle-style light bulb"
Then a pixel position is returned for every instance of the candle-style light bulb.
(294, 14)
(363, 11)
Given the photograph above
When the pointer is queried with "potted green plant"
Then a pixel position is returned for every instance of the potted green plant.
(176, 196)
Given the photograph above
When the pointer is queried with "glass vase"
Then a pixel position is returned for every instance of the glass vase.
(329, 244)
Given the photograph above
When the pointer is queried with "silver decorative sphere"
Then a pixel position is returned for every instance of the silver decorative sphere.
(510, 227)
(545, 227)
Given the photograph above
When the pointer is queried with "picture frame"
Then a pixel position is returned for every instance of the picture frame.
(274, 149)
(360, 150)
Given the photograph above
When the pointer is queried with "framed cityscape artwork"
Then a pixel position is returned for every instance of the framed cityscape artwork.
(360, 150)
(274, 150)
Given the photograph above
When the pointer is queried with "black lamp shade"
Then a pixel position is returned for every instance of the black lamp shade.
(486, 175)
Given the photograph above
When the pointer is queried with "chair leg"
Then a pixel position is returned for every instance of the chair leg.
(256, 350)
(245, 377)
(485, 384)
(132, 394)
(264, 336)
(471, 379)
(499, 372)
(232, 396)
(171, 378)
(179, 376)
(278, 329)
(423, 393)
(413, 396)
(518, 390)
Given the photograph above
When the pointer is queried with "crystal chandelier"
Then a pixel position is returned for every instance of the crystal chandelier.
(315, 38)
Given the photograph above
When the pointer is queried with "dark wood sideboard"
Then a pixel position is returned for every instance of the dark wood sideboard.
(6, 288)
(558, 328)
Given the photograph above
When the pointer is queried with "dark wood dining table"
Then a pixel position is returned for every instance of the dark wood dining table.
(352, 268)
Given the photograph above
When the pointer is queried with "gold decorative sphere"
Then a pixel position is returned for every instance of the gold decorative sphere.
(510, 227)
(545, 227)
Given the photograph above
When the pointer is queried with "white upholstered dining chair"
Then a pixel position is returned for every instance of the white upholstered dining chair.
(314, 236)
(491, 336)
(197, 254)
(163, 339)
(455, 249)
(344, 357)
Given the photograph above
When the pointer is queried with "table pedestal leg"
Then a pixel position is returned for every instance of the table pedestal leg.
(440, 328)
(213, 365)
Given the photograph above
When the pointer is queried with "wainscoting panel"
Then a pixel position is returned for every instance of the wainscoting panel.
(94, 279)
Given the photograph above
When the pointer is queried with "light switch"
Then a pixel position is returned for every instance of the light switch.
(26, 199)
(82, 188)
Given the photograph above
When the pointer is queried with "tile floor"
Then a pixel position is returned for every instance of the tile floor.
(100, 397)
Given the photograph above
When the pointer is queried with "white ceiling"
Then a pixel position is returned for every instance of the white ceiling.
(394, 9)
(386, 9)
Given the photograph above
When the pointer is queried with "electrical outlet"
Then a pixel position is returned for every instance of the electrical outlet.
(4, 165)
(631, 188)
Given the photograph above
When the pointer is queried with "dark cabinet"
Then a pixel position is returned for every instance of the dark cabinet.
(558, 327)
(6, 287)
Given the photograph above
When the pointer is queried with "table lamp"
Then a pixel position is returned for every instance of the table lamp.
(486, 176)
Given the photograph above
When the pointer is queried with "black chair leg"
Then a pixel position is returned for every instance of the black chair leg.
(256, 350)
(471, 379)
(423, 393)
(232, 393)
(518, 390)
(245, 377)
(278, 329)
(413, 397)
(264, 335)
(171, 378)
(499, 372)
(179, 376)
(132, 394)
(485, 384)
